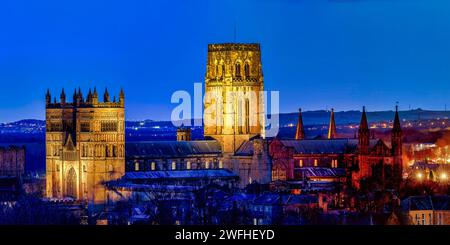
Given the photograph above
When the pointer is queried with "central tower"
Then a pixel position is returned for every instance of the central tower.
(234, 102)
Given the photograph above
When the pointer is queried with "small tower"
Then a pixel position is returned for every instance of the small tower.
(95, 96)
(79, 97)
(48, 98)
(332, 126)
(300, 132)
(75, 96)
(183, 134)
(122, 98)
(63, 97)
(106, 96)
(363, 134)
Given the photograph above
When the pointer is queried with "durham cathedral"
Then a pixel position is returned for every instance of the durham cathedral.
(88, 159)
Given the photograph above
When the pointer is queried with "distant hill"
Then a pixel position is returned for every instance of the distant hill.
(353, 117)
(319, 117)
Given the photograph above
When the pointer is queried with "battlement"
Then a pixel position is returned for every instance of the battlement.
(91, 100)
(234, 47)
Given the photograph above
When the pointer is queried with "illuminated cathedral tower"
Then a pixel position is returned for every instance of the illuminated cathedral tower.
(84, 145)
(234, 110)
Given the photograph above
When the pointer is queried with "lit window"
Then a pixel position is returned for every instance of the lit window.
(206, 164)
(220, 164)
(188, 165)
(153, 166)
(136, 166)
(174, 165)
(315, 163)
(300, 163)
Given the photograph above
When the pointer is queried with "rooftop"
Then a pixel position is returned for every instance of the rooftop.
(163, 149)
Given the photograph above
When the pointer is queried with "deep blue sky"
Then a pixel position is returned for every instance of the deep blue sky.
(317, 53)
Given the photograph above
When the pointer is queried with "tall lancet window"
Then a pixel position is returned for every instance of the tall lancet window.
(247, 69)
(238, 69)
(223, 70)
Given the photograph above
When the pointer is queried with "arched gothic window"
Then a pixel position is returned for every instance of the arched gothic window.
(238, 69)
(247, 69)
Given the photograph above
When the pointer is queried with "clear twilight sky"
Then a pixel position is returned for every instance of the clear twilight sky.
(319, 54)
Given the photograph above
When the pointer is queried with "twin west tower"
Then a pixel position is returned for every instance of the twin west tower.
(85, 145)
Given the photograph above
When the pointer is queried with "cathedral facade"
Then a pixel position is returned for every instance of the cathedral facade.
(85, 145)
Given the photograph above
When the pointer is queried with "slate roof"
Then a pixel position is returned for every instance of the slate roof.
(164, 149)
(426, 203)
(180, 174)
(325, 146)
(322, 172)
(246, 149)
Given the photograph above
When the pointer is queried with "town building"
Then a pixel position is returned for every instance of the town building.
(427, 210)
(358, 159)
(12, 161)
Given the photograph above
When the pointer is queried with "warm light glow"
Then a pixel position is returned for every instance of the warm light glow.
(444, 176)
(419, 175)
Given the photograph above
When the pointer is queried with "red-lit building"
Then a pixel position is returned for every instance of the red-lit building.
(353, 159)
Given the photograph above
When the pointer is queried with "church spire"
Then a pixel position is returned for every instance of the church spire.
(396, 135)
(363, 134)
(332, 126)
(363, 125)
(396, 126)
(300, 132)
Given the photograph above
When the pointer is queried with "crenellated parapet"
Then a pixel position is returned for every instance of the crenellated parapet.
(90, 101)
(234, 62)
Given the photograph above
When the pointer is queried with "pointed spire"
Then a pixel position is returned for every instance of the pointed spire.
(363, 134)
(48, 98)
(122, 97)
(106, 96)
(396, 135)
(95, 96)
(396, 126)
(300, 132)
(89, 96)
(80, 95)
(332, 126)
(75, 96)
(62, 97)
(363, 124)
